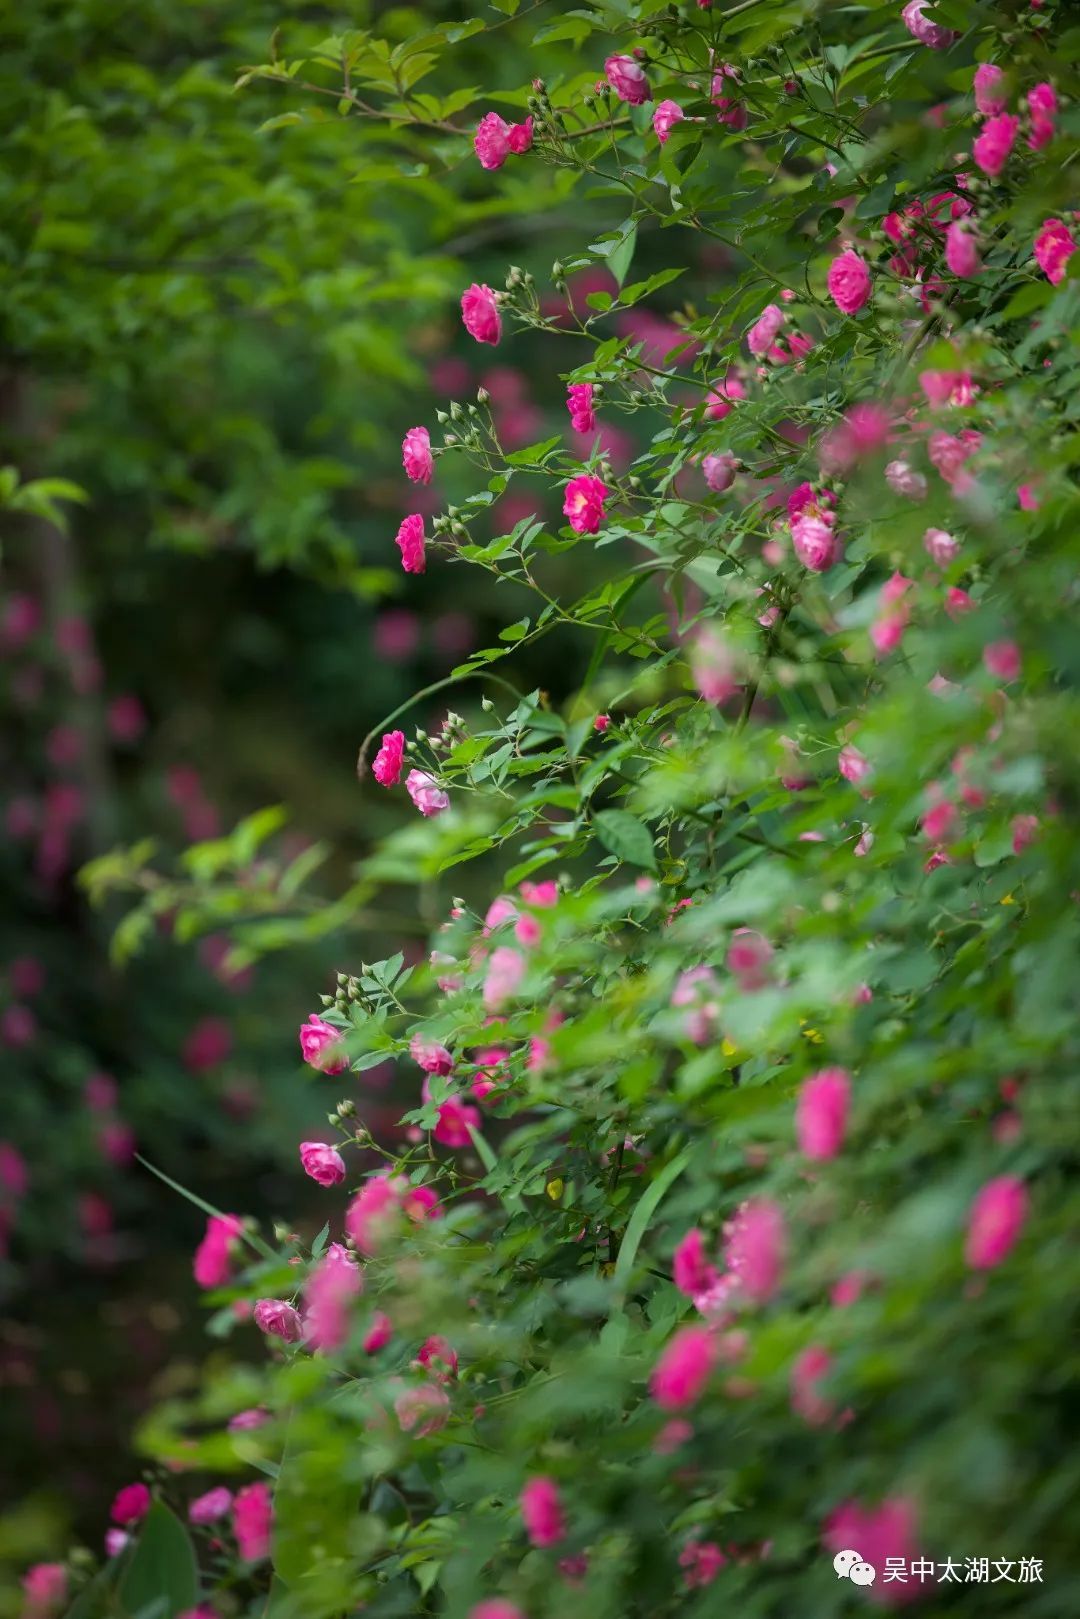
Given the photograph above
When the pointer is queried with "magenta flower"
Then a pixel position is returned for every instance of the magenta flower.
(541, 1512)
(702, 1561)
(455, 1120)
(754, 1248)
(821, 1114)
(322, 1162)
(213, 1257)
(328, 1295)
(210, 1507)
(666, 114)
(1054, 245)
(682, 1373)
(253, 1514)
(278, 1319)
(130, 1505)
(627, 78)
(690, 1270)
(1003, 660)
(849, 282)
(1025, 829)
(432, 1057)
(878, 1534)
(416, 455)
(373, 1212)
(496, 1608)
(991, 149)
(961, 250)
(853, 765)
(45, 1587)
(410, 542)
(725, 394)
(749, 958)
(425, 792)
(438, 1358)
(379, 1333)
(389, 759)
(990, 90)
(730, 110)
(1042, 105)
(480, 313)
(579, 402)
(583, 505)
(321, 1045)
(492, 141)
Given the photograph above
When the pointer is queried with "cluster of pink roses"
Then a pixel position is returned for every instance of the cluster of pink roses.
(425, 792)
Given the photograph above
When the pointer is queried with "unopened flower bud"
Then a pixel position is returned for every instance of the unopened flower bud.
(487, 705)
(482, 396)
(347, 1108)
(441, 417)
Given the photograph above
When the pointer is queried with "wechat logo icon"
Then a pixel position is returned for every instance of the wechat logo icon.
(850, 1566)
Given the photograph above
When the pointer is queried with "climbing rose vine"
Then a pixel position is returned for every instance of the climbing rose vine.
(730, 1226)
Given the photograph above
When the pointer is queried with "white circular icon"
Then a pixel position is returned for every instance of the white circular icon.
(862, 1574)
(844, 1562)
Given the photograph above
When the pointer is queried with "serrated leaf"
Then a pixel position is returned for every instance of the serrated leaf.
(626, 837)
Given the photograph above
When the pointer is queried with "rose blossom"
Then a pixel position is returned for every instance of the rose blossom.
(505, 971)
(722, 398)
(849, 282)
(749, 957)
(1054, 245)
(719, 471)
(991, 149)
(764, 331)
(904, 480)
(807, 1371)
(322, 1162)
(816, 543)
(480, 313)
(666, 114)
(422, 1410)
(690, 1270)
(426, 794)
(328, 1293)
(961, 251)
(627, 78)
(989, 85)
(821, 1114)
(388, 761)
(437, 1357)
(1042, 105)
(432, 1057)
(455, 1120)
(579, 402)
(1002, 660)
(278, 1319)
(583, 505)
(702, 1561)
(210, 1507)
(853, 765)
(730, 110)
(491, 142)
(1025, 829)
(416, 455)
(713, 666)
(321, 1045)
(866, 428)
(45, 1587)
(252, 1516)
(941, 546)
(541, 1512)
(693, 990)
(379, 1333)
(496, 1608)
(927, 33)
(212, 1263)
(754, 1248)
(130, 1505)
(997, 1218)
(878, 1534)
(410, 542)
(680, 1376)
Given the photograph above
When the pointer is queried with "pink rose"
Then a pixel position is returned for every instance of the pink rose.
(439, 1358)
(432, 1057)
(849, 282)
(480, 313)
(506, 969)
(496, 1608)
(696, 990)
(749, 958)
(682, 1373)
(520, 137)
(1042, 105)
(927, 33)
(730, 110)
(410, 542)
(428, 797)
(722, 399)
(45, 1587)
(278, 1319)
(627, 78)
(713, 666)
(719, 471)
(210, 1507)
(904, 480)
(853, 765)
(754, 1248)
(416, 455)
(989, 85)
(763, 333)
(579, 402)
(422, 1410)
(130, 1505)
(378, 1334)
(961, 251)
(878, 1534)
(1025, 829)
(388, 761)
(939, 823)
(492, 141)
(816, 543)
(821, 1114)
(252, 1517)
(866, 428)
(1002, 660)
(809, 1369)
(997, 1218)
(948, 452)
(455, 1120)
(583, 505)
(322, 1162)
(321, 1045)
(941, 546)
(328, 1294)
(690, 1270)
(1054, 245)
(991, 149)
(666, 114)
(213, 1257)
(701, 1561)
(541, 1512)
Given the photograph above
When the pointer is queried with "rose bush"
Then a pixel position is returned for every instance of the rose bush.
(730, 1228)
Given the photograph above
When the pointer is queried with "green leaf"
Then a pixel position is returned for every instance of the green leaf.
(644, 1210)
(626, 837)
(162, 1578)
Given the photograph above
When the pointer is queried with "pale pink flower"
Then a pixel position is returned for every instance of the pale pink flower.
(454, 1122)
(878, 1534)
(130, 1505)
(410, 542)
(765, 330)
(627, 78)
(252, 1517)
(579, 402)
(866, 428)
(1003, 660)
(1054, 246)
(1042, 106)
(695, 990)
(849, 282)
(416, 455)
(245, 1421)
(602, 723)
(853, 765)
(321, 1045)
(962, 250)
(322, 1162)
(213, 1257)
(682, 1373)
(822, 1111)
(583, 505)
(423, 1410)
(713, 665)
(210, 1507)
(816, 543)
(941, 546)
(902, 479)
(949, 452)
(749, 958)
(432, 1057)
(808, 1370)
(542, 1513)
(719, 471)
(278, 1319)
(990, 90)
(505, 972)
(666, 114)
(480, 313)
(998, 1215)
(754, 1248)
(388, 761)
(991, 149)
(502, 909)
(115, 1541)
(425, 792)
(927, 33)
